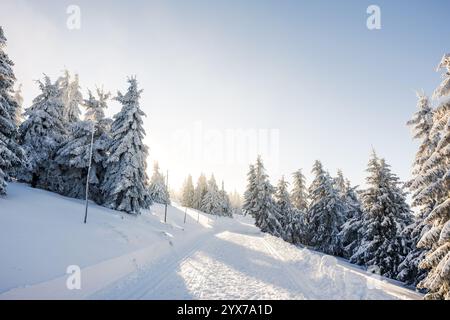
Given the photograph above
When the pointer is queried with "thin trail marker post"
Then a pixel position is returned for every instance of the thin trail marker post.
(185, 214)
(167, 187)
(89, 173)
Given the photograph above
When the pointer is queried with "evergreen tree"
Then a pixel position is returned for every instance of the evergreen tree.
(187, 193)
(73, 155)
(421, 123)
(11, 154)
(299, 196)
(350, 235)
(408, 270)
(72, 160)
(225, 203)
(340, 184)
(352, 214)
(95, 110)
(42, 133)
(250, 195)
(200, 192)
(125, 186)
(265, 211)
(71, 96)
(348, 195)
(435, 181)
(212, 201)
(326, 213)
(236, 203)
(386, 214)
(286, 211)
(158, 187)
(352, 199)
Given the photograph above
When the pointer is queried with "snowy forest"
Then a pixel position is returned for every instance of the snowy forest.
(374, 227)
(63, 142)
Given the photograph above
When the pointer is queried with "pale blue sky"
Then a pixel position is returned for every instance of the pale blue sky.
(309, 69)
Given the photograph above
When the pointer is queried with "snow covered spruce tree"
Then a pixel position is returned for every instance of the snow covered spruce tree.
(348, 195)
(299, 195)
(200, 191)
(421, 123)
(42, 133)
(11, 154)
(225, 203)
(125, 186)
(339, 183)
(386, 214)
(435, 180)
(73, 155)
(350, 235)
(250, 193)
(158, 187)
(326, 213)
(288, 214)
(263, 207)
(71, 96)
(95, 110)
(299, 200)
(212, 201)
(236, 203)
(187, 193)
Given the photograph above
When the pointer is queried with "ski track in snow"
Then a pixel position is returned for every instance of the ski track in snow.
(206, 258)
(231, 265)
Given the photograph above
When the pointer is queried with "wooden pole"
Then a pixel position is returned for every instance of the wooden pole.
(167, 187)
(88, 174)
(185, 214)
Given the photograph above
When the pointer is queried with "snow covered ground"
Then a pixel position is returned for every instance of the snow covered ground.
(126, 257)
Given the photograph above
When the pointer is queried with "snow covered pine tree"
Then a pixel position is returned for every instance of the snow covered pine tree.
(158, 188)
(352, 215)
(73, 155)
(125, 187)
(236, 203)
(326, 213)
(71, 97)
(299, 200)
(42, 133)
(422, 123)
(200, 191)
(435, 178)
(248, 207)
(386, 214)
(225, 203)
(211, 202)
(187, 193)
(287, 212)
(299, 195)
(261, 203)
(11, 154)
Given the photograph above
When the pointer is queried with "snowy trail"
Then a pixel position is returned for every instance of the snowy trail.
(245, 264)
(125, 257)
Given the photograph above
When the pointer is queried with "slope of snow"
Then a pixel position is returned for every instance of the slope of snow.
(125, 257)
